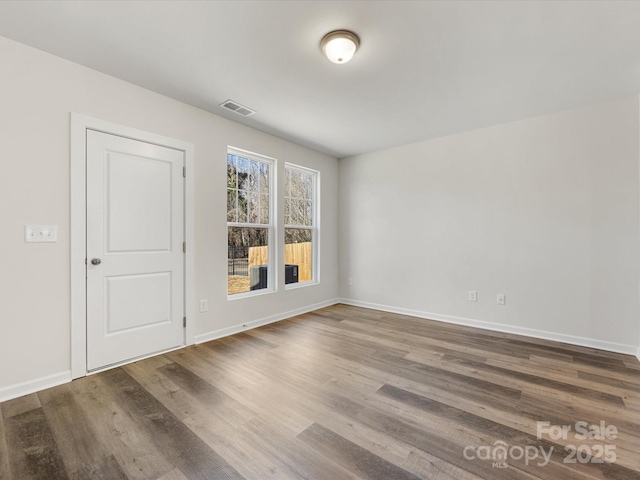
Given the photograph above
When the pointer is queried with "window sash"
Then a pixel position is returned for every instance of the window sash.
(289, 199)
(256, 164)
(313, 227)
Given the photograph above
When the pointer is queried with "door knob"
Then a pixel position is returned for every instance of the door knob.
(96, 261)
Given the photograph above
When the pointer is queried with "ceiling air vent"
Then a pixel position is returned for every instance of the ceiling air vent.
(237, 108)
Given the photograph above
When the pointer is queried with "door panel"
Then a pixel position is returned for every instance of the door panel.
(140, 221)
(135, 227)
(134, 301)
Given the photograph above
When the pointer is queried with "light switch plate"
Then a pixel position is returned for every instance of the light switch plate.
(204, 306)
(40, 233)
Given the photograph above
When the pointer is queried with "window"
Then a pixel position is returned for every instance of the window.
(249, 222)
(301, 224)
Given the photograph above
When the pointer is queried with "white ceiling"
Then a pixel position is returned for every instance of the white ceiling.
(424, 69)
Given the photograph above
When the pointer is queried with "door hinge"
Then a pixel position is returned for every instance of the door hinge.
(184, 247)
(184, 322)
(184, 172)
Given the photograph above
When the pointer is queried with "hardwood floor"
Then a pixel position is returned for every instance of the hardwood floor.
(340, 393)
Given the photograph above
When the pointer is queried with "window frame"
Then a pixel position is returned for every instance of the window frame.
(314, 227)
(272, 240)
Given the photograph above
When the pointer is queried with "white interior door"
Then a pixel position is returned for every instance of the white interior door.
(135, 259)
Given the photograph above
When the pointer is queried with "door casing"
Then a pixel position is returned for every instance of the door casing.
(79, 125)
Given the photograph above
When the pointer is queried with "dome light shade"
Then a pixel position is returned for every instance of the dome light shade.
(340, 45)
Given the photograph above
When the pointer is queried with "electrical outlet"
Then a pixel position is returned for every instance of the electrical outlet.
(473, 296)
(350, 281)
(204, 306)
(501, 300)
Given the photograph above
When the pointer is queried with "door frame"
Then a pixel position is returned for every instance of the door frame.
(78, 231)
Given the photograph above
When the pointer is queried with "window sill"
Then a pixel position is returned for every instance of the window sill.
(250, 294)
(294, 286)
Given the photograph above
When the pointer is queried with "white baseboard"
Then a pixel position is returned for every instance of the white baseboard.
(499, 327)
(243, 327)
(25, 388)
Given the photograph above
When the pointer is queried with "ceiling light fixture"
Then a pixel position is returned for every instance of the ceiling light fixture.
(340, 45)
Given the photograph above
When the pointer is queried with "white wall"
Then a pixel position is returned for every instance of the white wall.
(37, 93)
(638, 350)
(543, 210)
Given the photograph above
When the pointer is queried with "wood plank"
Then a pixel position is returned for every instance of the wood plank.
(20, 405)
(267, 454)
(517, 346)
(106, 469)
(429, 467)
(117, 431)
(632, 363)
(353, 458)
(286, 449)
(232, 410)
(399, 366)
(309, 394)
(244, 453)
(537, 369)
(4, 454)
(607, 381)
(168, 393)
(246, 337)
(235, 379)
(511, 436)
(203, 420)
(299, 383)
(33, 452)
(179, 444)
(547, 383)
(438, 446)
(298, 459)
(499, 417)
(616, 472)
(174, 475)
(74, 434)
